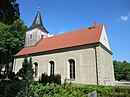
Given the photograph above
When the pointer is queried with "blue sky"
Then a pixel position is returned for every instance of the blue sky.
(60, 16)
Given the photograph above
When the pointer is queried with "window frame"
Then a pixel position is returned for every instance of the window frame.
(42, 36)
(52, 68)
(71, 69)
(30, 36)
(35, 69)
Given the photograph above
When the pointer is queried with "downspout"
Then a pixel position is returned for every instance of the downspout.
(96, 63)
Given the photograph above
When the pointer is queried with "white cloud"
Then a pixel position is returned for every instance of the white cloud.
(125, 18)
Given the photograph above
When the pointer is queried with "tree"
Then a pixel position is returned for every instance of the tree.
(12, 32)
(121, 70)
(3, 50)
(9, 11)
(26, 72)
(11, 41)
(23, 71)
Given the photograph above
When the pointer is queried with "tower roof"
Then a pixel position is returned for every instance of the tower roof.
(37, 23)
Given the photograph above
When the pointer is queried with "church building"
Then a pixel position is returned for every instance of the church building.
(82, 56)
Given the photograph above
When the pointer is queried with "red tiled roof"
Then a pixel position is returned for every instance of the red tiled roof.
(70, 39)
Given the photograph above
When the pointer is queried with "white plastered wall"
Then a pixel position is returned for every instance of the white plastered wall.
(104, 39)
(84, 64)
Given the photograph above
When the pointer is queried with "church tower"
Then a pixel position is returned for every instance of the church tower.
(36, 31)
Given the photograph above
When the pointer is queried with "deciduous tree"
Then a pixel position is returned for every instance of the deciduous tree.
(122, 70)
(9, 11)
(11, 41)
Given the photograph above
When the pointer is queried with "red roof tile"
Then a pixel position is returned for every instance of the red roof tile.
(70, 39)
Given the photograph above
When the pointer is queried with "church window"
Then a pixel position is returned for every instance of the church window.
(72, 68)
(35, 69)
(51, 68)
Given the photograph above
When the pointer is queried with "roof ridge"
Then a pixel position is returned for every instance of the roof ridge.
(71, 31)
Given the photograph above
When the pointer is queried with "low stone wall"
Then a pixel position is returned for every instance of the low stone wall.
(122, 83)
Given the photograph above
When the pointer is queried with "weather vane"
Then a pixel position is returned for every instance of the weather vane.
(39, 4)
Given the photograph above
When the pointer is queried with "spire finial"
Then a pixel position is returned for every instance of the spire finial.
(39, 7)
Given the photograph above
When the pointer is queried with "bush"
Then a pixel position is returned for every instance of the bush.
(1, 76)
(10, 88)
(12, 76)
(44, 79)
(70, 90)
(57, 79)
(65, 90)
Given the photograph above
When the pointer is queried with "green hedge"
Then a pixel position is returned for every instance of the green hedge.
(70, 90)
(65, 90)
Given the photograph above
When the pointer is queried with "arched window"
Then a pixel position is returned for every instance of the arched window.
(35, 69)
(72, 68)
(51, 67)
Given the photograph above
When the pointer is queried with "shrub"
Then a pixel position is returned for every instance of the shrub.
(1, 76)
(57, 79)
(44, 79)
(66, 90)
(70, 90)
(12, 76)
(10, 88)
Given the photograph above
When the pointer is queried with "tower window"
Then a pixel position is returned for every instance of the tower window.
(51, 68)
(30, 36)
(72, 68)
(42, 36)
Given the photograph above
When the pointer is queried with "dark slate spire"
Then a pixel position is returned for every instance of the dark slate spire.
(37, 23)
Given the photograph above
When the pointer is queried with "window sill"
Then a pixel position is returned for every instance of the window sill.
(70, 79)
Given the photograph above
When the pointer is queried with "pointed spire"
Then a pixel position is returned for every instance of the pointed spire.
(37, 23)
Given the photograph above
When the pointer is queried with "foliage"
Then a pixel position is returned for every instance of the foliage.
(9, 11)
(11, 41)
(12, 33)
(122, 70)
(54, 90)
(27, 74)
(65, 90)
(9, 88)
(71, 90)
(12, 76)
(23, 71)
(44, 79)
